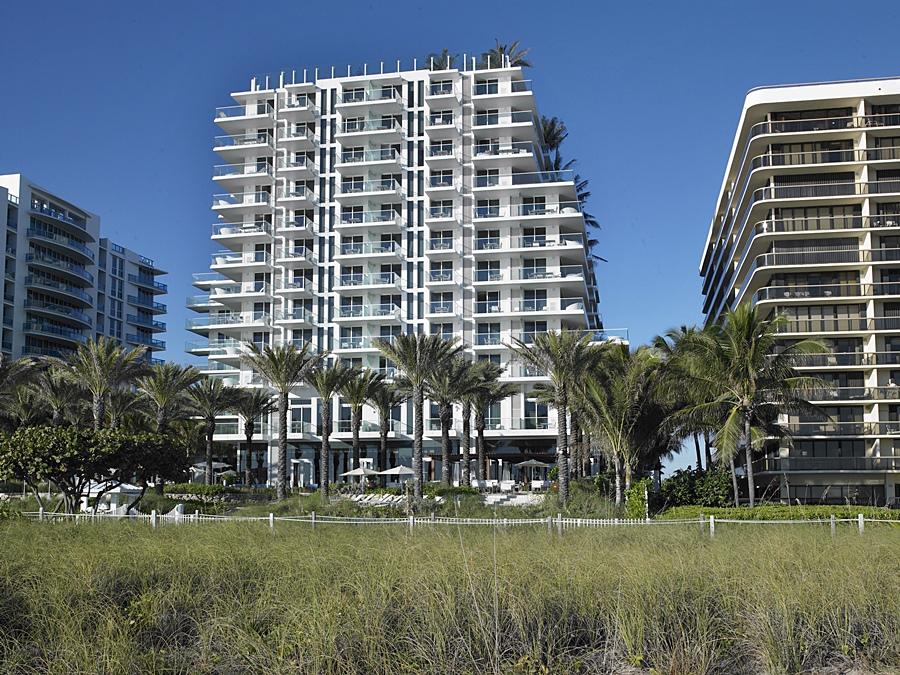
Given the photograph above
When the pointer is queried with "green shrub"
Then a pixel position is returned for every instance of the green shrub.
(704, 488)
(636, 499)
(780, 512)
(437, 490)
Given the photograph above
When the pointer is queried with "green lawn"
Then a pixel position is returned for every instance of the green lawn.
(236, 598)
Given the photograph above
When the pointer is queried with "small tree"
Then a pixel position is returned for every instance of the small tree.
(327, 380)
(211, 398)
(356, 391)
(251, 405)
(384, 398)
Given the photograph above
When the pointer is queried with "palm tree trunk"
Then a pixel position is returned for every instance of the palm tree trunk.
(706, 447)
(418, 404)
(618, 469)
(161, 427)
(480, 459)
(383, 423)
(281, 475)
(562, 448)
(734, 483)
(627, 466)
(248, 433)
(210, 430)
(586, 456)
(577, 448)
(465, 445)
(356, 421)
(748, 453)
(697, 451)
(324, 451)
(446, 421)
(99, 406)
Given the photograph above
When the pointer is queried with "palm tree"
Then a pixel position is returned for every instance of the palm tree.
(553, 132)
(743, 379)
(121, 405)
(384, 398)
(418, 357)
(355, 392)
(563, 356)
(487, 394)
(251, 405)
(22, 407)
(442, 60)
(446, 387)
(503, 56)
(622, 406)
(101, 366)
(475, 376)
(14, 372)
(165, 388)
(284, 367)
(327, 379)
(211, 397)
(60, 393)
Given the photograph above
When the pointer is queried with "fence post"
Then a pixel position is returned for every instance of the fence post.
(559, 523)
(702, 521)
(432, 517)
(862, 524)
(712, 527)
(41, 513)
(833, 527)
(313, 520)
(153, 518)
(412, 522)
(646, 505)
(197, 515)
(271, 521)
(550, 524)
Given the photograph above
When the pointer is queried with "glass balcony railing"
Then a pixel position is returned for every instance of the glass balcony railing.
(488, 339)
(145, 321)
(146, 341)
(438, 212)
(522, 210)
(300, 103)
(438, 276)
(369, 248)
(61, 240)
(440, 244)
(57, 214)
(371, 95)
(523, 178)
(224, 258)
(236, 170)
(49, 284)
(298, 284)
(240, 140)
(298, 134)
(227, 319)
(496, 149)
(364, 217)
(440, 89)
(234, 229)
(295, 314)
(54, 330)
(298, 253)
(146, 302)
(301, 162)
(297, 223)
(362, 156)
(249, 110)
(70, 312)
(227, 199)
(359, 311)
(440, 120)
(72, 268)
(441, 150)
(440, 308)
(493, 119)
(297, 192)
(362, 279)
(505, 87)
(441, 182)
(357, 187)
(356, 126)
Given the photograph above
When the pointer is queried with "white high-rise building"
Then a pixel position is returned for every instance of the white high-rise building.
(807, 225)
(362, 207)
(63, 283)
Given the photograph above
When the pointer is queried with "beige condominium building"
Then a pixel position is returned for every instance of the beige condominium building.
(807, 225)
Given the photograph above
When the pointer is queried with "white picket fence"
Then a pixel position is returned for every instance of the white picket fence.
(177, 517)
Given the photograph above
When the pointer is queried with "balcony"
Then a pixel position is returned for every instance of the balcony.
(545, 306)
(829, 464)
(503, 88)
(296, 287)
(299, 139)
(65, 245)
(298, 196)
(485, 119)
(250, 173)
(570, 272)
(55, 311)
(385, 311)
(240, 291)
(441, 213)
(49, 285)
(147, 303)
(572, 208)
(58, 215)
(860, 393)
(146, 322)
(440, 277)
(60, 267)
(245, 203)
(360, 280)
(255, 142)
(300, 106)
(442, 308)
(147, 281)
(519, 179)
(564, 241)
(146, 341)
(839, 325)
(441, 244)
(227, 260)
(359, 127)
(375, 96)
(521, 154)
(369, 188)
(242, 233)
(225, 320)
(376, 248)
(298, 255)
(235, 117)
(297, 226)
(488, 340)
(836, 290)
(297, 315)
(364, 157)
(54, 331)
(298, 165)
(805, 125)
(356, 219)
(200, 303)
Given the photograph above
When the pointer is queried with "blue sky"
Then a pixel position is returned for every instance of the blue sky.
(111, 105)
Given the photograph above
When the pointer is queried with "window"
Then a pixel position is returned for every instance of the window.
(487, 334)
(440, 118)
(441, 271)
(487, 208)
(443, 178)
(353, 95)
(487, 177)
(442, 303)
(441, 209)
(535, 414)
(445, 330)
(442, 148)
(488, 270)
(486, 87)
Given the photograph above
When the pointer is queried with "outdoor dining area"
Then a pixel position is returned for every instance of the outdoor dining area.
(530, 475)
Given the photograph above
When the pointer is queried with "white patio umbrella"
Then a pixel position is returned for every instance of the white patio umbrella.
(532, 464)
(360, 471)
(399, 470)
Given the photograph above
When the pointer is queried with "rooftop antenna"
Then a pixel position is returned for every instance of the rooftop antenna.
(365, 69)
(382, 67)
(332, 72)
(317, 72)
(414, 65)
(430, 63)
(348, 70)
(398, 65)
(304, 76)
(465, 60)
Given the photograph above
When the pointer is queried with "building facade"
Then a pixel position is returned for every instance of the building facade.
(807, 225)
(63, 283)
(363, 207)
